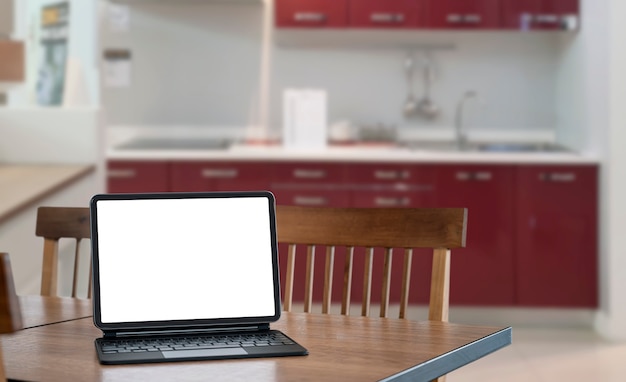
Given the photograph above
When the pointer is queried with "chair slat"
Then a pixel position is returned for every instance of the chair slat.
(406, 282)
(440, 286)
(367, 282)
(76, 268)
(49, 270)
(384, 299)
(291, 259)
(347, 281)
(328, 279)
(310, 272)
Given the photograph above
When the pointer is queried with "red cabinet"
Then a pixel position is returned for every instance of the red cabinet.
(219, 176)
(311, 13)
(464, 14)
(540, 14)
(557, 236)
(483, 273)
(391, 185)
(310, 184)
(387, 13)
(137, 176)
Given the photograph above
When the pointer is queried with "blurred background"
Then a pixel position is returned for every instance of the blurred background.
(510, 108)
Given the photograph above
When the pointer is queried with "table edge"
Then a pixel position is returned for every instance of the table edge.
(455, 359)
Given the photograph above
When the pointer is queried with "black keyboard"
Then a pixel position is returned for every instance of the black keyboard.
(138, 345)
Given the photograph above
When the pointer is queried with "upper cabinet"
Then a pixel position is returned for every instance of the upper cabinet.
(429, 14)
(540, 14)
(312, 13)
(387, 13)
(464, 14)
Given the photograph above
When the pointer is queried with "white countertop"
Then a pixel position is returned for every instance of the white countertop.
(352, 154)
(339, 153)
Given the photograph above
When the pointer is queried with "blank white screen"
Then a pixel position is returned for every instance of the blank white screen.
(182, 259)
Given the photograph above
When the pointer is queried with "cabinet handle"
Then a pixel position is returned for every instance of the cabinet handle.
(391, 174)
(122, 173)
(301, 173)
(309, 17)
(481, 176)
(454, 18)
(387, 18)
(226, 173)
(382, 201)
(549, 19)
(310, 201)
(558, 177)
(470, 18)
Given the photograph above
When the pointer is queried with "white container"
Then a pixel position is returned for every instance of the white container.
(304, 118)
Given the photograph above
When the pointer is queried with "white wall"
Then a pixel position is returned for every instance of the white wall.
(612, 318)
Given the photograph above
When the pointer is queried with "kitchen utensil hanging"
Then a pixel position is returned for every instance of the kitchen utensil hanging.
(426, 107)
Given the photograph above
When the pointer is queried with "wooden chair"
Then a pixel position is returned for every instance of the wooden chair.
(387, 228)
(53, 224)
(10, 315)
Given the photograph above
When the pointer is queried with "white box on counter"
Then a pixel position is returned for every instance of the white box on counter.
(305, 118)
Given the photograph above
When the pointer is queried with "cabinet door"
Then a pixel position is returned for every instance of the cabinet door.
(557, 240)
(136, 176)
(540, 14)
(392, 185)
(311, 13)
(464, 14)
(482, 273)
(387, 13)
(219, 176)
(310, 184)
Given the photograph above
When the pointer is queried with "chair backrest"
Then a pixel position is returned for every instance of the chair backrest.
(10, 315)
(53, 224)
(439, 229)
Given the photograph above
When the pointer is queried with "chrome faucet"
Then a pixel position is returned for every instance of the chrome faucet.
(461, 134)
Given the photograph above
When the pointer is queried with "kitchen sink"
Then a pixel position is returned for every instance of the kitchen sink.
(506, 147)
(161, 143)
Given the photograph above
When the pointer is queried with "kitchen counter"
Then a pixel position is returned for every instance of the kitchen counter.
(349, 153)
(23, 185)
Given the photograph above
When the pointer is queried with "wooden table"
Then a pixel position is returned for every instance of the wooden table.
(39, 310)
(341, 348)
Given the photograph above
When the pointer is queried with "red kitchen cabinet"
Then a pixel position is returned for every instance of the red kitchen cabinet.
(219, 176)
(310, 184)
(557, 236)
(464, 14)
(311, 13)
(540, 14)
(387, 13)
(483, 273)
(137, 176)
(392, 185)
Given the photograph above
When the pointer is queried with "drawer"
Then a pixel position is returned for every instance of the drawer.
(312, 197)
(308, 172)
(137, 176)
(219, 176)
